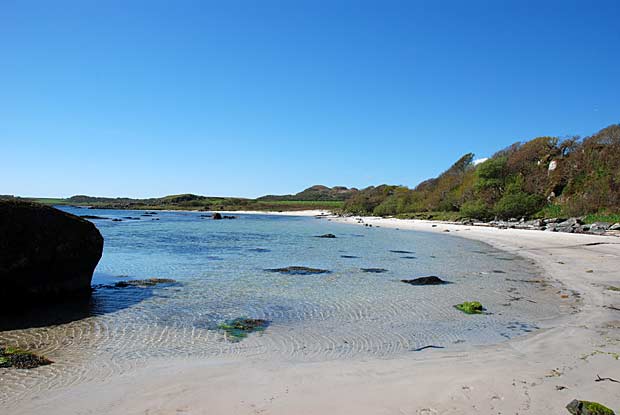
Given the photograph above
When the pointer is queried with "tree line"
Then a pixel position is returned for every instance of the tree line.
(543, 177)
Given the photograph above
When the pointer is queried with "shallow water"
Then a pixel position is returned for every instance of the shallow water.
(221, 270)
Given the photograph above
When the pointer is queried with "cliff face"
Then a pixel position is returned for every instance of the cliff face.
(45, 254)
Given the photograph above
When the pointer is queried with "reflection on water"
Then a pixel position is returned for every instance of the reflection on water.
(350, 312)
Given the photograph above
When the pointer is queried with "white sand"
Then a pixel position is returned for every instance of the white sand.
(520, 376)
(315, 212)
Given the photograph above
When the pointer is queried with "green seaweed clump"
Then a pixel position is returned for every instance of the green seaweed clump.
(470, 307)
(577, 407)
(239, 328)
(21, 359)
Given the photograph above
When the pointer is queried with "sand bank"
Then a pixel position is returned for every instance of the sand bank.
(534, 374)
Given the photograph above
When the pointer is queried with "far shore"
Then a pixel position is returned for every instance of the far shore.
(532, 374)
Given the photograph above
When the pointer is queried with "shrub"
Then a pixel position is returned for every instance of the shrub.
(476, 209)
(518, 204)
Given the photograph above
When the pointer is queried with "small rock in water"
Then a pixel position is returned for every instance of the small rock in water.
(395, 251)
(327, 235)
(430, 280)
(151, 282)
(374, 270)
(348, 256)
(577, 407)
(297, 270)
(217, 216)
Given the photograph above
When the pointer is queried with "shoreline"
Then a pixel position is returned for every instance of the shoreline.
(521, 375)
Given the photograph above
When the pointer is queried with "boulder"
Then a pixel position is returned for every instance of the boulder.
(577, 407)
(45, 254)
(430, 280)
(599, 227)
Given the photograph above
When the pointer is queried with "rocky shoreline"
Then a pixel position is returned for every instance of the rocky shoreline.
(570, 225)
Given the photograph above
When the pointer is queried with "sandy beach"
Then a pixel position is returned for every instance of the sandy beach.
(533, 374)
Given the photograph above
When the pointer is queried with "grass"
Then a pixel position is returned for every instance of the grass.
(179, 202)
(48, 200)
(599, 217)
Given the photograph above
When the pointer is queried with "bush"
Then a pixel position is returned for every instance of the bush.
(518, 204)
(476, 209)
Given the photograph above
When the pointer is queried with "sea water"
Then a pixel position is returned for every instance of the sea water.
(221, 268)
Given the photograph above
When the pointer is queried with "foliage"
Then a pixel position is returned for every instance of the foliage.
(543, 177)
(476, 209)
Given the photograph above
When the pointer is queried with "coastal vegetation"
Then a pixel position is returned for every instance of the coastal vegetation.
(543, 177)
(190, 202)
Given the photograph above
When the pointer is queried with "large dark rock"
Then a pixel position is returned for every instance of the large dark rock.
(430, 280)
(45, 254)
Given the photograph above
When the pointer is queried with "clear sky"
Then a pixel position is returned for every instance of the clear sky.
(245, 98)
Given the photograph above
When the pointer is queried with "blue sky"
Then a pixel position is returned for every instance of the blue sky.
(245, 98)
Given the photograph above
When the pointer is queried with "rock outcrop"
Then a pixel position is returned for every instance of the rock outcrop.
(45, 254)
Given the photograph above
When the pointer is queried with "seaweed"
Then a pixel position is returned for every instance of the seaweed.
(470, 307)
(239, 328)
(21, 359)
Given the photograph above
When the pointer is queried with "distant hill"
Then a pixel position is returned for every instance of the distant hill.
(196, 202)
(316, 193)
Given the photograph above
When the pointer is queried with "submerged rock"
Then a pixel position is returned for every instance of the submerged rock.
(395, 251)
(21, 359)
(374, 270)
(297, 270)
(150, 282)
(348, 256)
(239, 328)
(430, 280)
(259, 250)
(577, 407)
(470, 307)
(327, 235)
(92, 217)
(45, 254)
